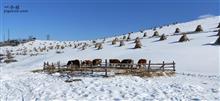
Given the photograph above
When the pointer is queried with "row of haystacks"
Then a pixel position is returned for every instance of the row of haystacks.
(44, 47)
(183, 38)
(138, 44)
(7, 58)
(198, 29)
(47, 46)
(137, 41)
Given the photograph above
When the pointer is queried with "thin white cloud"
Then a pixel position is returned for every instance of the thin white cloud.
(205, 16)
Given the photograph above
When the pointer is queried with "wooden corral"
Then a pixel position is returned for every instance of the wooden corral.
(125, 67)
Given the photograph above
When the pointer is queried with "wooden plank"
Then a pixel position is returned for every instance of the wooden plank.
(174, 66)
(106, 62)
(163, 65)
(148, 69)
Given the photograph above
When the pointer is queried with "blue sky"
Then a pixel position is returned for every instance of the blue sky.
(91, 19)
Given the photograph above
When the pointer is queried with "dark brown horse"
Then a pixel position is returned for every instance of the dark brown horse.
(97, 62)
(142, 62)
(87, 63)
(73, 63)
(127, 63)
(114, 62)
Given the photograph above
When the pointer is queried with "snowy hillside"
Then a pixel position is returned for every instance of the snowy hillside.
(197, 65)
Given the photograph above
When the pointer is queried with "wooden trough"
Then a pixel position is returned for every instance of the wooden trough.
(147, 69)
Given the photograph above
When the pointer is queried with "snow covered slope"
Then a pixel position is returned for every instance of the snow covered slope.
(196, 57)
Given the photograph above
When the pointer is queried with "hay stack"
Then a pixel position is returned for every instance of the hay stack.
(124, 37)
(114, 42)
(128, 38)
(96, 45)
(93, 41)
(141, 31)
(155, 34)
(218, 33)
(163, 37)
(84, 47)
(100, 46)
(218, 25)
(137, 40)
(183, 38)
(145, 34)
(199, 28)
(217, 42)
(122, 43)
(116, 39)
(177, 30)
(138, 45)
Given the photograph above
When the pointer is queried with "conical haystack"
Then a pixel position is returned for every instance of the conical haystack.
(141, 31)
(218, 25)
(177, 30)
(145, 34)
(163, 37)
(155, 34)
(218, 33)
(199, 28)
(128, 38)
(137, 39)
(183, 38)
(84, 47)
(138, 45)
(122, 43)
(217, 42)
(97, 45)
(100, 46)
(114, 42)
(116, 39)
(124, 37)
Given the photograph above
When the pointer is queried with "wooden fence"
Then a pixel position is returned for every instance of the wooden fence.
(106, 67)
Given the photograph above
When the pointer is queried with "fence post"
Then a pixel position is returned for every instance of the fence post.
(80, 67)
(58, 65)
(52, 67)
(148, 69)
(92, 71)
(47, 65)
(106, 67)
(72, 67)
(44, 66)
(163, 66)
(174, 66)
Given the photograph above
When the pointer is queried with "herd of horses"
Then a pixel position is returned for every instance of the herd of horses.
(111, 63)
(125, 66)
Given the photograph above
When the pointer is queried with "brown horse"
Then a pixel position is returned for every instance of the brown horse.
(127, 63)
(87, 63)
(142, 62)
(114, 62)
(73, 63)
(97, 62)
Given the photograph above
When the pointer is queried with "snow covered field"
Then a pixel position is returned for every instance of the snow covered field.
(197, 65)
